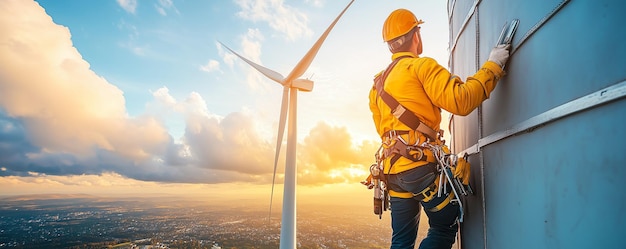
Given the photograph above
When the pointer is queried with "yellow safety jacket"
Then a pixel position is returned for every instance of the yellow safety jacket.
(424, 87)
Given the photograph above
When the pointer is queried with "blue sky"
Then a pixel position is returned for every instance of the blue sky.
(141, 91)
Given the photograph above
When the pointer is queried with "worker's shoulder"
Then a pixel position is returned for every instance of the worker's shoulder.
(424, 59)
(412, 60)
(417, 61)
(422, 63)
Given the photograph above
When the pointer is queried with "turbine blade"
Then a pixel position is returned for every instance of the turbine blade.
(273, 75)
(305, 62)
(279, 140)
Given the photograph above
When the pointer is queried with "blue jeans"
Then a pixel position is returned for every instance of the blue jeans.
(405, 214)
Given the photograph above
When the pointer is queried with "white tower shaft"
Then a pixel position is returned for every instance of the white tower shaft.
(288, 226)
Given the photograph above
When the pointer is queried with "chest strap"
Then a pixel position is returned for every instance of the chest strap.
(405, 116)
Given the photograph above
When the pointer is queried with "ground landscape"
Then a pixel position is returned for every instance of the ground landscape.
(84, 221)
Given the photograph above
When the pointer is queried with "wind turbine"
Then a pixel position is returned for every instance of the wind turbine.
(291, 85)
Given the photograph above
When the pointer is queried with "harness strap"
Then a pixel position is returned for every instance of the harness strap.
(444, 203)
(413, 153)
(403, 195)
(405, 116)
(424, 195)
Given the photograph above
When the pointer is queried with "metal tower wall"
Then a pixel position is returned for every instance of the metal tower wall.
(547, 148)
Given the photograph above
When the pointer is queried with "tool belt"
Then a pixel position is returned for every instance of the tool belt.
(424, 190)
(394, 147)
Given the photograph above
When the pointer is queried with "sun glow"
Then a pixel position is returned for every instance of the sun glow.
(357, 172)
(348, 173)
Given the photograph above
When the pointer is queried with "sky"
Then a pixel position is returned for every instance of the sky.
(126, 96)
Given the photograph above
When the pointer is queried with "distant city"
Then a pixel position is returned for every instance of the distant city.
(82, 221)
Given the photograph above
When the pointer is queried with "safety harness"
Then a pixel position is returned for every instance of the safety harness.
(397, 149)
(432, 150)
(399, 111)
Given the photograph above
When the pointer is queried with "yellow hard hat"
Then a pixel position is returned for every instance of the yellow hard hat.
(399, 22)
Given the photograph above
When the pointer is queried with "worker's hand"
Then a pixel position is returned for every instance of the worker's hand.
(500, 54)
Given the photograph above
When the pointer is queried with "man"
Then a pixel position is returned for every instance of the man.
(421, 86)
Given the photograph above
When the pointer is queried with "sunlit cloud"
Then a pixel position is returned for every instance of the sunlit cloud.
(228, 58)
(316, 3)
(110, 183)
(250, 49)
(328, 155)
(211, 66)
(251, 46)
(66, 125)
(66, 119)
(65, 96)
(279, 16)
(128, 5)
(165, 6)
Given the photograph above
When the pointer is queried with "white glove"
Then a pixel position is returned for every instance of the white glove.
(500, 54)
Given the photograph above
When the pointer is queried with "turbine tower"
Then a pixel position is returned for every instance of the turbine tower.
(291, 85)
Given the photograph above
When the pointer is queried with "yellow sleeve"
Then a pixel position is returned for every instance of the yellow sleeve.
(450, 93)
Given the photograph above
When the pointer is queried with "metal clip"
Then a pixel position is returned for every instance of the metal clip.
(402, 140)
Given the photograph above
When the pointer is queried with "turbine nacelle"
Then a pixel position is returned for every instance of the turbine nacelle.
(304, 85)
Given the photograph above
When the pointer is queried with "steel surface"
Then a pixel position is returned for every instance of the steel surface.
(547, 146)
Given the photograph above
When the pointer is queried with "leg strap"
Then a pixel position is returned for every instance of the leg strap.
(443, 204)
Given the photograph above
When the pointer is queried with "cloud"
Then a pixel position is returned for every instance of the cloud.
(280, 17)
(251, 44)
(60, 118)
(251, 50)
(211, 142)
(128, 5)
(55, 107)
(228, 58)
(65, 107)
(316, 3)
(163, 6)
(328, 155)
(211, 66)
(14, 145)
